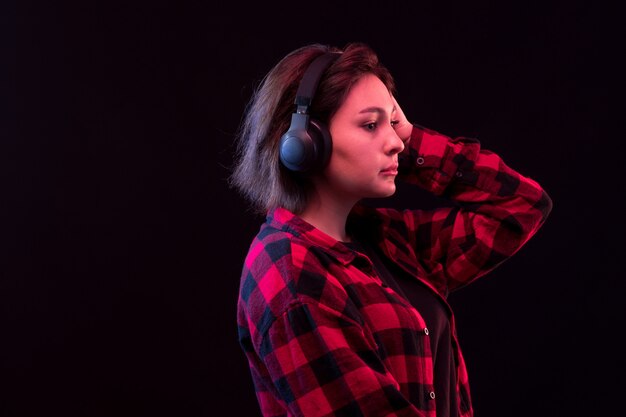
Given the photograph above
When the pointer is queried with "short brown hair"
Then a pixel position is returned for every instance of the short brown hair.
(257, 172)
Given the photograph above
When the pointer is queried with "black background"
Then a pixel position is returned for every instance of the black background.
(123, 243)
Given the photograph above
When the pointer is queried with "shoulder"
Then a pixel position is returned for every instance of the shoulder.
(276, 262)
(274, 251)
(283, 269)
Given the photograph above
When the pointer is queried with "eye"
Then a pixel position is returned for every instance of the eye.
(370, 126)
(394, 123)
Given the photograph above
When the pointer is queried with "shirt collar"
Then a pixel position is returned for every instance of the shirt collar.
(282, 219)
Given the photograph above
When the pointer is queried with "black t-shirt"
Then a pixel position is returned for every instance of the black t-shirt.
(437, 319)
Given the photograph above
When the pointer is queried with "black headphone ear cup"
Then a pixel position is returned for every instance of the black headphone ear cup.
(305, 150)
(297, 149)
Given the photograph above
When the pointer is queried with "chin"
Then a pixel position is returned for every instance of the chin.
(387, 192)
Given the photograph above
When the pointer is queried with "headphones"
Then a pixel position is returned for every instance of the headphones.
(307, 144)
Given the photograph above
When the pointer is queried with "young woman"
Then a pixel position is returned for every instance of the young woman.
(342, 308)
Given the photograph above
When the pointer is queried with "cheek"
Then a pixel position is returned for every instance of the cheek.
(350, 152)
(344, 160)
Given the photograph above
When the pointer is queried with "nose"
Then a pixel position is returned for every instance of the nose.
(393, 144)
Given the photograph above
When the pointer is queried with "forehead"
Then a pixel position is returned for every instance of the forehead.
(368, 91)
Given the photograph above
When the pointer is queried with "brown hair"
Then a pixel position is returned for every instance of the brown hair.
(257, 172)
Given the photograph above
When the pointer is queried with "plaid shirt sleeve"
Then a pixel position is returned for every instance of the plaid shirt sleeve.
(496, 210)
(310, 352)
(327, 366)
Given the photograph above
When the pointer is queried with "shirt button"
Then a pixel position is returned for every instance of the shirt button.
(432, 395)
(419, 160)
(426, 331)
(459, 174)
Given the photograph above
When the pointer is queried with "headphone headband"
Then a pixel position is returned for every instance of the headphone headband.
(311, 78)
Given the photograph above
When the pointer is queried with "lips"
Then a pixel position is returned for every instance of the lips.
(390, 170)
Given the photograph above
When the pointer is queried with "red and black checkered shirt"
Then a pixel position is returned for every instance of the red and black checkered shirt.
(325, 337)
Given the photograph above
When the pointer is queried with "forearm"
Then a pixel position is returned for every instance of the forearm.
(498, 209)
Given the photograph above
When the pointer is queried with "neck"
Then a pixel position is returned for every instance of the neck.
(329, 215)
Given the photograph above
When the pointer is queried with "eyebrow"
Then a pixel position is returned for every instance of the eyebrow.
(375, 109)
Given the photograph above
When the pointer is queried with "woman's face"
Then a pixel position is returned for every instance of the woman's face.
(364, 159)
